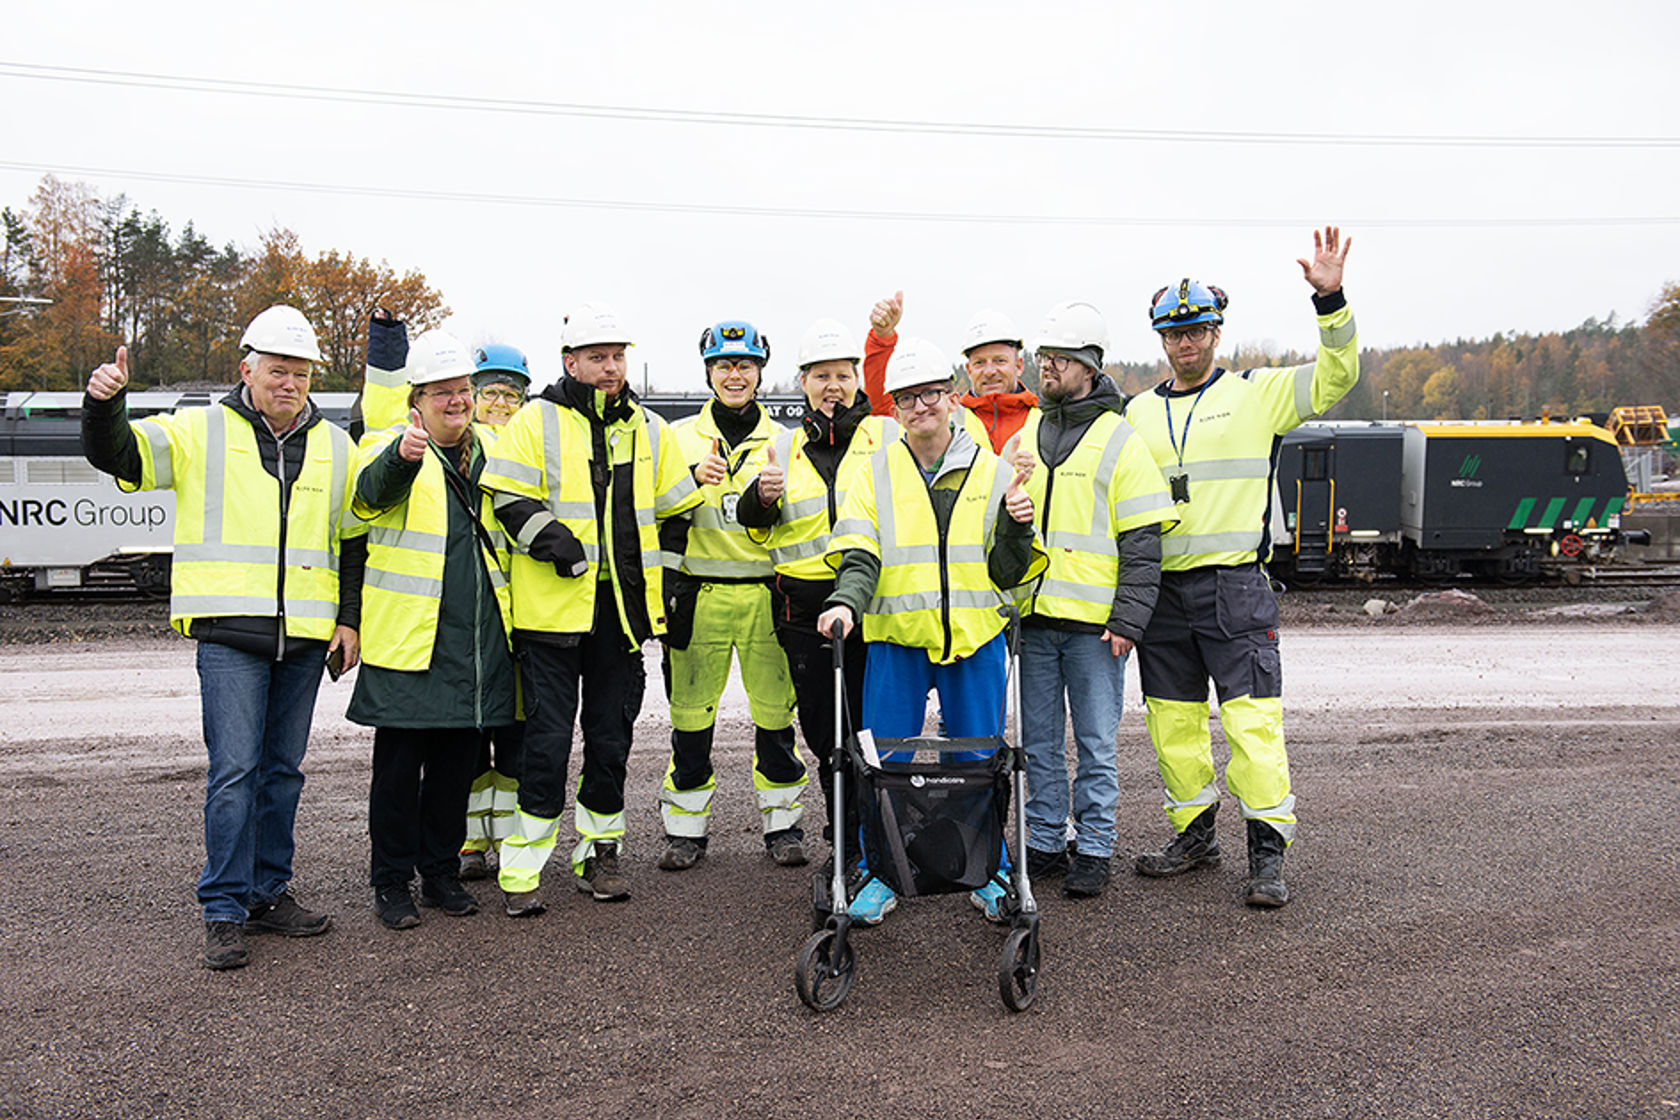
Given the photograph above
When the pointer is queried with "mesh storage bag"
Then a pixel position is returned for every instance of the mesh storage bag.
(934, 827)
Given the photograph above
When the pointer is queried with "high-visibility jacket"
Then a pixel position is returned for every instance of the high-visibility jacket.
(243, 546)
(406, 550)
(1224, 441)
(718, 545)
(935, 591)
(546, 453)
(798, 543)
(1108, 485)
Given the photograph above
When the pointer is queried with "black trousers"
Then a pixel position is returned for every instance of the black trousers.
(609, 678)
(811, 666)
(509, 754)
(417, 802)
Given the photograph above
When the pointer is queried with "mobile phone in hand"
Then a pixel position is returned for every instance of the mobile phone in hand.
(335, 662)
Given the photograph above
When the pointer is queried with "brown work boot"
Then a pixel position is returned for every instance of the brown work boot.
(601, 878)
(224, 946)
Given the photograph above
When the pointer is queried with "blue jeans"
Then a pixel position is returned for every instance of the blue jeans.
(1060, 671)
(257, 713)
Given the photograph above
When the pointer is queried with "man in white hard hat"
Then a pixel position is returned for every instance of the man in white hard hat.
(996, 403)
(267, 579)
(928, 536)
(580, 476)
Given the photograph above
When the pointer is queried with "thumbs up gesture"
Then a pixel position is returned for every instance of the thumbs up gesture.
(771, 481)
(108, 380)
(1016, 500)
(884, 316)
(711, 469)
(414, 438)
(1018, 457)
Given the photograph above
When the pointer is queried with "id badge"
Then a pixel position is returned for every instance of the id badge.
(1180, 484)
(730, 502)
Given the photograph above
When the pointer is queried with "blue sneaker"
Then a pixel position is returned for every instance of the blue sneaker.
(989, 901)
(873, 903)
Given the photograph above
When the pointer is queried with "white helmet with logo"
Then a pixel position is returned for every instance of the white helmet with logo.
(916, 361)
(594, 324)
(438, 356)
(990, 326)
(1072, 326)
(828, 340)
(283, 331)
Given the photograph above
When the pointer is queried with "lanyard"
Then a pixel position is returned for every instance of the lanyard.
(1179, 445)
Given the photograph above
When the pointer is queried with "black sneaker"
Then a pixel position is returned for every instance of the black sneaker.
(224, 946)
(447, 894)
(284, 916)
(1087, 876)
(1043, 865)
(395, 907)
(601, 877)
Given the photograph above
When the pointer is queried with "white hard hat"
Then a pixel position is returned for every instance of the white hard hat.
(594, 324)
(284, 331)
(828, 340)
(438, 356)
(1072, 326)
(916, 361)
(990, 326)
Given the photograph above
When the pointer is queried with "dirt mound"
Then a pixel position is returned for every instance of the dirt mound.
(1665, 607)
(1437, 605)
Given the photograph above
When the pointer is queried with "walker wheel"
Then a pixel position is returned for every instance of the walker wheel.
(1018, 972)
(823, 984)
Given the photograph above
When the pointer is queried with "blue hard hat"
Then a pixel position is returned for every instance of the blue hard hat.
(497, 361)
(734, 337)
(1186, 303)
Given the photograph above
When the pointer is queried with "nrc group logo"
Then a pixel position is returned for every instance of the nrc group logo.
(1468, 468)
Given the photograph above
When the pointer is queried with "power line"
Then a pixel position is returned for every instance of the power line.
(923, 216)
(188, 83)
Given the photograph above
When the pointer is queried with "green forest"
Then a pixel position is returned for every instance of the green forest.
(80, 274)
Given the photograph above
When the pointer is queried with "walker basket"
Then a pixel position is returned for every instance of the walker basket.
(934, 827)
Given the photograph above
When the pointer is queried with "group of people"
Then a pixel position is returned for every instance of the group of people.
(496, 564)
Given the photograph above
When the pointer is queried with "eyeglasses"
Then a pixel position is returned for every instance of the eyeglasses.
(909, 398)
(1178, 334)
(448, 394)
(1056, 362)
(502, 396)
(726, 365)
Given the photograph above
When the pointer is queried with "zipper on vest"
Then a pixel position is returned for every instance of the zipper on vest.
(285, 511)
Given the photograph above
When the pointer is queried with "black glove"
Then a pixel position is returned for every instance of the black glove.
(387, 341)
(559, 546)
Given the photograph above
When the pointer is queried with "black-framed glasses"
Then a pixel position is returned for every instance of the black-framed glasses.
(1195, 333)
(1057, 362)
(910, 398)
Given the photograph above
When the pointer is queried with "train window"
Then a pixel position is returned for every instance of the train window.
(1578, 457)
(1315, 464)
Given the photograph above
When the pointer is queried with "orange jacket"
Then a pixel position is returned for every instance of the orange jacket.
(1001, 414)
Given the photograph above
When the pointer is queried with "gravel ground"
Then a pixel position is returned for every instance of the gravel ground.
(1486, 920)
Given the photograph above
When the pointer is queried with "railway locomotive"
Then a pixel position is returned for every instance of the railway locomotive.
(1503, 502)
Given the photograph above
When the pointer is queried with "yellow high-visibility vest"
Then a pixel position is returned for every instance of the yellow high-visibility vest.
(227, 558)
(931, 595)
(798, 542)
(406, 550)
(545, 453)
(1108, 485)
(718, 545)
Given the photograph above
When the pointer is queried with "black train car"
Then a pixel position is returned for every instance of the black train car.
(1338, 491)
(1506, 501)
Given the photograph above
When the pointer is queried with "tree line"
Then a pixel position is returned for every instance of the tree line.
(107, 274)
(113, 274)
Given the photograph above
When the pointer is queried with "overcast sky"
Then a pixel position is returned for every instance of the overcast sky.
(1020, 155)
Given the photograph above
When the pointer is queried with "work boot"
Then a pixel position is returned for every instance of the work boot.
(523, 904)
(284, 916)
(395, 907)
(1087, 877)
(787, 849)
(1196, 846)
(1265, 866)
(445, 892)
(1042, 865)
(680, 854)
(474, 865)
(601, 878)
(224, 946)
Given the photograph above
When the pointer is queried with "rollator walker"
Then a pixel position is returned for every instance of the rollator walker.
(929, 827)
